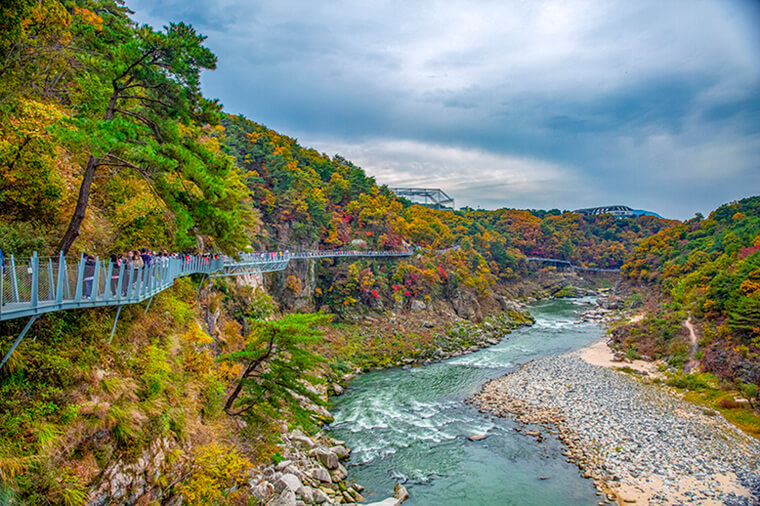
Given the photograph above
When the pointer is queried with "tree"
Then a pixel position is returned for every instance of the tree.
(277, 364)
(136, 104)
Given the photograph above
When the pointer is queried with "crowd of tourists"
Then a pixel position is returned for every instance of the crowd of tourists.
(134, 263)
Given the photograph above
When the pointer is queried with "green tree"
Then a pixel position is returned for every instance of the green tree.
(137, 102)
(277, 362)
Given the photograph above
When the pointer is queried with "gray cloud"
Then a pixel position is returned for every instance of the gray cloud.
(552, 103)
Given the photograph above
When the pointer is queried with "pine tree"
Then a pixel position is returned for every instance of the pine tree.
(278, 365)
(138, 107)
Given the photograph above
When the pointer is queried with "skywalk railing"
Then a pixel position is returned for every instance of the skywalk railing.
(268, 261)
(570, 265)
(38, 285)
(33, 286)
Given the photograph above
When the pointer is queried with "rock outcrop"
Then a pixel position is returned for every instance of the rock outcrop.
(311, 473)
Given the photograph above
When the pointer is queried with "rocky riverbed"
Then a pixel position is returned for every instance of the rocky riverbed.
(311, 473)
(637, 442)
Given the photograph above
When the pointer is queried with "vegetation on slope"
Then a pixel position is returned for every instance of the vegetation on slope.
(310, 200)
(91, 101)
(107, 144)
(707, 270)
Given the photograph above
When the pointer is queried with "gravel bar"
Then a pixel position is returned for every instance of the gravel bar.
(638, 443)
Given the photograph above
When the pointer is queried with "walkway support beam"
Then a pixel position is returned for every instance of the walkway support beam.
(115, 321)
(18, 339)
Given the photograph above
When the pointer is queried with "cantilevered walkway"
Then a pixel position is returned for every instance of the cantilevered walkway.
(36, 285)
(31, 287)
(565, 263)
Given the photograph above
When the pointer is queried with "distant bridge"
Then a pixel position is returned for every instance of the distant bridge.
(565, 263)
(433, 197)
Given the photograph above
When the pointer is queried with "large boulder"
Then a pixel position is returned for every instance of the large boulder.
(400, 495)
(341, 451)
(301, 439)
(289, 482)
(321, 474)
(326, 458)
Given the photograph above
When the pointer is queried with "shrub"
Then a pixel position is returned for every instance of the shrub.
(216, 468)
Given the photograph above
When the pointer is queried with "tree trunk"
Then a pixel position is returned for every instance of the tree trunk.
(84, 191)
(84, 196)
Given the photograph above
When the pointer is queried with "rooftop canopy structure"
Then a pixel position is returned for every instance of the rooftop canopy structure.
(431, 197)
(621, 211)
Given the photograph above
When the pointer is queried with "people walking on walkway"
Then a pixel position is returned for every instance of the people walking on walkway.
(89, 274)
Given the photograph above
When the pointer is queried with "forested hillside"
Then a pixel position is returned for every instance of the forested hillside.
(309, 200)
(106, 145)
(707, 270)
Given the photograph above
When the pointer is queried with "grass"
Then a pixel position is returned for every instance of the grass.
(704, 390)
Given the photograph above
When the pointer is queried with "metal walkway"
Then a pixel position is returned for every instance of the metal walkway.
(31, 287)
(565, 263)
(249, 263)
(34, 286)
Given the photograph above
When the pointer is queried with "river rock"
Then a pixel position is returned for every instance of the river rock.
(263, 491)
(282, 465)
(341, 451)
(337, 389)
(326, 457)
(340, 473)
(289, 482)
(301, 439)
(286, 498)
(400, 493)
(307, 494)
(319, 497)
(321, 474)
(478, 437)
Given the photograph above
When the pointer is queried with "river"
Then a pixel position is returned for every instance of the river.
(411, 426)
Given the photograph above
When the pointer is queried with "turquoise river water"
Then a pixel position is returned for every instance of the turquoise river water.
(411, 426)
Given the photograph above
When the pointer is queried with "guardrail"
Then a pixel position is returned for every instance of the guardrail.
(33, 286)
(568, 264)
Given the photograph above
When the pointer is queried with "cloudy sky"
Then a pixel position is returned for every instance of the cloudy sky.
(537, 104)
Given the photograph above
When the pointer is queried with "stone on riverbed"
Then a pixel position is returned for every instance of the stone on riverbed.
(629, 437)
(400, 494)
(289, 482)
(341, 451)
(326, 457)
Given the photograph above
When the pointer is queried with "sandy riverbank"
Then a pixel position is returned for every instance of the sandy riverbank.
(638, 443)
(601, 355)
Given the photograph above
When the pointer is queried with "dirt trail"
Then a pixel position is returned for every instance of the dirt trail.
(692, 362)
